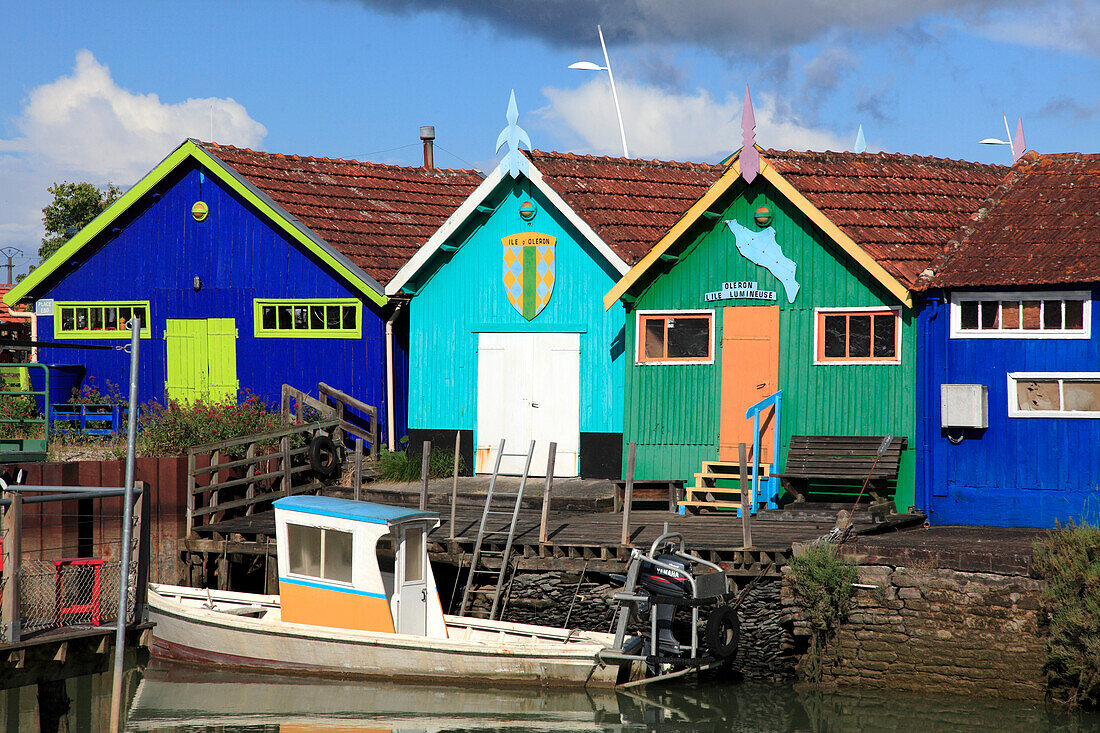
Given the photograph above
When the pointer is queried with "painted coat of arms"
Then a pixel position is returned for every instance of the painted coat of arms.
(529, 271)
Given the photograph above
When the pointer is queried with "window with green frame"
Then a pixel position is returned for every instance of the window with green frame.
(99, 319)
(308, 318)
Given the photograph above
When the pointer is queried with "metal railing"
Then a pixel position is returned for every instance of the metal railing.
(767, 493)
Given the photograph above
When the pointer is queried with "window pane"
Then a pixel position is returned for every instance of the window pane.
(1075, 315)
(110, 318)
(990, 310)
(1052, 314)
(301, 317)
(414, 554)
(969, 314)
(284, 318)
(305, 549)
(96, 316)
(1010, 314)
(654, 338)
(268, 317)
(332, 316)
(1037, 395)
(859, 336)
(349, 317)
(835, 336)
(317, 316)
(81, 319)
(338, 555)
(139, 311)
(1031, 313)
(688, 338)
(1081, 396)
(124, 315)
(67, 319)
(884, 337)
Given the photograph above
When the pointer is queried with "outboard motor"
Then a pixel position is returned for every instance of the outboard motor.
(660, 582)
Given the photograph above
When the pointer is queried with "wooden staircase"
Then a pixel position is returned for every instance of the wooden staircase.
(718, 486)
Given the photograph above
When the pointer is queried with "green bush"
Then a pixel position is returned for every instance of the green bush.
(173, 428)
(822, 583)
(405, 465)
(13, 410)
(1068, 559)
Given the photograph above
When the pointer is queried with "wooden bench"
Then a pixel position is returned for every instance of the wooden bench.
(840, 460)
(650, 491)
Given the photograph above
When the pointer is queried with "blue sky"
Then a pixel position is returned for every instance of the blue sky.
(103, 91)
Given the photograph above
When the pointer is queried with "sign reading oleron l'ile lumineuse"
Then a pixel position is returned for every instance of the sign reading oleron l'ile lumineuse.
(739, 291)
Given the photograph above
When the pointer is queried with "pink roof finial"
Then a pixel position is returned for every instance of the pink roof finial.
(1018, 144)
(750, 159)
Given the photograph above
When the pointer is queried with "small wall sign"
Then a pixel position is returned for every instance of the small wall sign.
(43, 307)
(199, 210)
(740, 291)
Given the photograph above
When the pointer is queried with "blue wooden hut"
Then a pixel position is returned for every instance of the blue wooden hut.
(508, 337)
(252, 270)
(1009, 382)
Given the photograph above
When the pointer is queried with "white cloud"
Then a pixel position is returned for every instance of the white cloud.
(674, 126)
(1067, 26)
(86, 127)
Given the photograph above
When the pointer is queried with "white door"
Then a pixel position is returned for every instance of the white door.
(412, 611)
(528, 388)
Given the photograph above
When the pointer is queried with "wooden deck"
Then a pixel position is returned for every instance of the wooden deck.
(588, 539)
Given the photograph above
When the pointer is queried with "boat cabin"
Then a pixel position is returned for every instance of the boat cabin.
(357, 565)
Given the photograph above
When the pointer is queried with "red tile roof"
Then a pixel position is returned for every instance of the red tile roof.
(630, 203)
(375, 215)
(1042, 228)
(5, 311)
(900, 209)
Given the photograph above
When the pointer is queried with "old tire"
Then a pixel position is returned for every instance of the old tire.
(722, 632)
(323, 458)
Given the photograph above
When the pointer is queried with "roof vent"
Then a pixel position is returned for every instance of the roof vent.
(427, 135)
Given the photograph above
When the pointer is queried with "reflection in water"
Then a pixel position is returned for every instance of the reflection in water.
(182, 699)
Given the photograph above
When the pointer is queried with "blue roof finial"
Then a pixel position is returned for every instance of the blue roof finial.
(861, 141)
(514, 162)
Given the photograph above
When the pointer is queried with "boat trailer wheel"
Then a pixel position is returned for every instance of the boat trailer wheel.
(722, 631)
(322, 456)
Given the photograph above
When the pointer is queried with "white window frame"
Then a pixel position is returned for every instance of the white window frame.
(858, 362)
(957, 331)
(672, 313)
(321, 579)
(1015, 411)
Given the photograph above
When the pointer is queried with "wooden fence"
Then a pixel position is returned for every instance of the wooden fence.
(334, 404)
(264, 474)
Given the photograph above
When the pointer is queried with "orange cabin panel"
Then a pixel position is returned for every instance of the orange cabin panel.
(750, 372)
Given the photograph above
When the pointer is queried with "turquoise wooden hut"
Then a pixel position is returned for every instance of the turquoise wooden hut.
(507, 335)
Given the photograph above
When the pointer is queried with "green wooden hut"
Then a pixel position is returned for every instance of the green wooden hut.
(793, 276)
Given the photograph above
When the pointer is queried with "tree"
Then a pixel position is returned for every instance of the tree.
(74, 205)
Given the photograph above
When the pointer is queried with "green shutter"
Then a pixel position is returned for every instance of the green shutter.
(202, 360)
(221, 342)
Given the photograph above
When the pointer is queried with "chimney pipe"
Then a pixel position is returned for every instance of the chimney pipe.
(427, 134)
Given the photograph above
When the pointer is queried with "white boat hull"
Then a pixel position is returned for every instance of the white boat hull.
(207, 627)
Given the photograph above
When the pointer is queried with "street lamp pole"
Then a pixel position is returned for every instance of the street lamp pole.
(589, 66)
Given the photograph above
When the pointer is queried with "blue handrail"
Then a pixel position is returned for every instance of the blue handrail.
(754, 412)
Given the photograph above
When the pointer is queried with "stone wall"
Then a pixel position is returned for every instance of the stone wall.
(935, 630)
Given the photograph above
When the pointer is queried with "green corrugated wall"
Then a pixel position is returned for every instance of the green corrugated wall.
(672, 412)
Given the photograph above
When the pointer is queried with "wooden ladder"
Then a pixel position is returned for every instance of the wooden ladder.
(708, 494)
(478, 566)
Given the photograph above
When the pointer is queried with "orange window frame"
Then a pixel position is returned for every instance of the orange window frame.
(663, 317)
(819, 328)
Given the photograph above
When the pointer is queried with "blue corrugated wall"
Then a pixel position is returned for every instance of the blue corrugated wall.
(1025, 472)
(155, 252)
(464, 294)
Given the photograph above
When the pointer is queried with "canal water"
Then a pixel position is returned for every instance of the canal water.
(182, 699)
(192, 700)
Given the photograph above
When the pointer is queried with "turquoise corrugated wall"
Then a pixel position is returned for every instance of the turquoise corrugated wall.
(463, 294)
(672, 412)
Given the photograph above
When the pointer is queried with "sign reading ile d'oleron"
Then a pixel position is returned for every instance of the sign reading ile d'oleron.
(738, 290)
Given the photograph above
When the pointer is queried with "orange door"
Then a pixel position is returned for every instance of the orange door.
(750, 372)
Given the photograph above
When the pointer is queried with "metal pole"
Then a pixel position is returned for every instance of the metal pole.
(454, 480)
(425, 457)
(614, 94)
(550, 458)
(358, 468)
(127, 521)
(746, 503)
